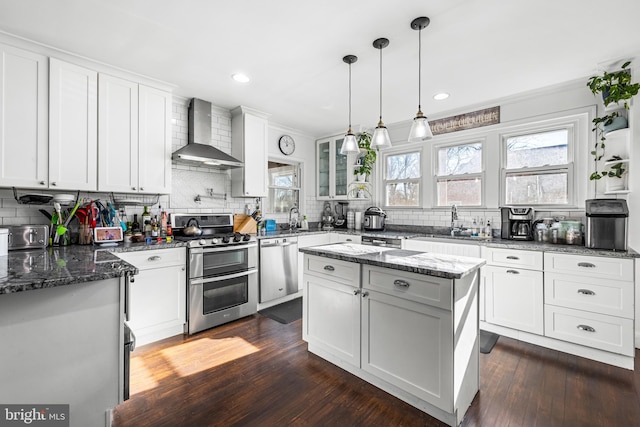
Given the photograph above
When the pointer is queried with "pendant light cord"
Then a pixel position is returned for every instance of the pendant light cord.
(349, 97)
(419, 68)
(380, 84)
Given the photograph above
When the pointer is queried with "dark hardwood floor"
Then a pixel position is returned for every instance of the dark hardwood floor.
(257, 372)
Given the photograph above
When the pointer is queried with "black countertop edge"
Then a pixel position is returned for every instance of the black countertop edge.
(494, 242)
(437, 265)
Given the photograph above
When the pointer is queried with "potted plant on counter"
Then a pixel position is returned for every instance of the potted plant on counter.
(367, 157)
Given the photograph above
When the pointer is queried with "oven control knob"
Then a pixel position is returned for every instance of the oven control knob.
(237, 237)
(202, 242)
(246, 237)
(214, 241)
(225, 239)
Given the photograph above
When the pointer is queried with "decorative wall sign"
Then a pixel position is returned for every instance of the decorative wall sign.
(476, 119)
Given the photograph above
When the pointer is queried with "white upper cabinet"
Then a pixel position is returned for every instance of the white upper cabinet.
(134, 137)
(332, 171)
(73, 133)
(23, 118)
(249, 132)
(154, 126)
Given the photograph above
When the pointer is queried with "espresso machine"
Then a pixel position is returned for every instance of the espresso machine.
(516, 223)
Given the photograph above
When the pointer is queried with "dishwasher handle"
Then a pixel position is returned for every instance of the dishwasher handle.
(277, 244)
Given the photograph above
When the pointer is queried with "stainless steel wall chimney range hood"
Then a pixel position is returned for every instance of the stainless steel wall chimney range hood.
(198, 152)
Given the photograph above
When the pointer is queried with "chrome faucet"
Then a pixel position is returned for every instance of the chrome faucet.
(293, 221)
(454, 216)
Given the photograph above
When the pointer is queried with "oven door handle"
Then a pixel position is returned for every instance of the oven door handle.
(221, 278)
(223, 248)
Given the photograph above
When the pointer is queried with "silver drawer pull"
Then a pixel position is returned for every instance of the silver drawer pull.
(586, 328)
(512, 257)
(401, 283)
(513, 272)
(154, 258)
(586, 292)
(586, 265)
(329, 268)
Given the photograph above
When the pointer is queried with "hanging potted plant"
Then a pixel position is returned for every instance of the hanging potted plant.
(367, 157)
(616, 88)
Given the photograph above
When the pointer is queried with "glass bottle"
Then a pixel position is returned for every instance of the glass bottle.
(146, 215)
(135, 226)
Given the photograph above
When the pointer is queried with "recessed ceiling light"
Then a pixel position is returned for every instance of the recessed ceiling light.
(240, 78)
(440, 96)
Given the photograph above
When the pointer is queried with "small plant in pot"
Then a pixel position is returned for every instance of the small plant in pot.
(368, 157)
(616, 87)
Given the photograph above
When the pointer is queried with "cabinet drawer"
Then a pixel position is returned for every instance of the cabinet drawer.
(144, 260)
(340, 271)
(423, 289)
(513, 258)
(593, 266)
(607, 333)
(587, 293)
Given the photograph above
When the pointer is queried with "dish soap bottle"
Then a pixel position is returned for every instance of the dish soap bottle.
(487, 230)
(305, 223)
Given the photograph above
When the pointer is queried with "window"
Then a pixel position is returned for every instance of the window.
(284, 187)
(538, 167)
(459, 175)
(402, 177)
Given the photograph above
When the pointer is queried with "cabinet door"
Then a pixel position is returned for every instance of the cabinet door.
(331, 319)
(424, 366)
(155, 141)
(323, 165)
(23, 118)
(340, 168)
(73, 133)
(305, 241)
(118, 134)
(158, 303)
(514, 298)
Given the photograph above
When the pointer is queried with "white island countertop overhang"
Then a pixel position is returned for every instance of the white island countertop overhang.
(432, 264)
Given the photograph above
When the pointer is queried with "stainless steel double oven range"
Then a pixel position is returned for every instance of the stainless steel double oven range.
(222, 282)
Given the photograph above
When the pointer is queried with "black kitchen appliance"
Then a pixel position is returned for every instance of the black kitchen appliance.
(517, 223)
(606, 224)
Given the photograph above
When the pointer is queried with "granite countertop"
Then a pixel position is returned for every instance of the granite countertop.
(445, 266)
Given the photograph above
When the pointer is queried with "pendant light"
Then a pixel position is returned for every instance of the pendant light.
(349, 145)
(380, 137)
(420, 130)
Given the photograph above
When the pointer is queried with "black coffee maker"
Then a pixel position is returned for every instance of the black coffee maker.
(516, 223)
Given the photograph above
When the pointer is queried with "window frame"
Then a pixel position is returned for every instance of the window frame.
(410, 149)
(298, 188)
(482, 174)
(563, 123)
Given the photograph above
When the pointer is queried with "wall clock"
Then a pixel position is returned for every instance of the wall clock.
(287, 145)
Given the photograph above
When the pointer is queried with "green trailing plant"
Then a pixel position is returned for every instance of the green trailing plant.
(356, 187)
(615, 87)
(368, 155)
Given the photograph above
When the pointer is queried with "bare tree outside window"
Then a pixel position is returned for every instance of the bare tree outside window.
(402, 179)
(459, 175)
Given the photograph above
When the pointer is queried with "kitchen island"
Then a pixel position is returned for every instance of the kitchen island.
(61, 328)
(404, 321)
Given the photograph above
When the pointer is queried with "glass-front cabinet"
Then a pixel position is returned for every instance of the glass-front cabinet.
(332, 169)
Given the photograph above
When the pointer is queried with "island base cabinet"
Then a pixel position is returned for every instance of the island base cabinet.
(64, 345)
(410, 346)
(331, 321)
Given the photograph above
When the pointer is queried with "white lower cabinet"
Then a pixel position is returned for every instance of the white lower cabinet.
(399, 337)
(513, 285)
(397, 330)
(514, 298)
(590, 301)
(157, 306)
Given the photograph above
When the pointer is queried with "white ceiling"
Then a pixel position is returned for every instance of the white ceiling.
(477, 50)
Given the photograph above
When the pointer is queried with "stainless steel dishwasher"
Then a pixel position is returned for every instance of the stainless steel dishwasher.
(278, 267)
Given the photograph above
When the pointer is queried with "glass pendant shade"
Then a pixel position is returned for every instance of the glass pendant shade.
(350, 144)
(420, 129)
(380, 137)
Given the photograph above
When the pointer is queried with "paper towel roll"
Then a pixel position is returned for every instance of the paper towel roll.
(358, 224)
